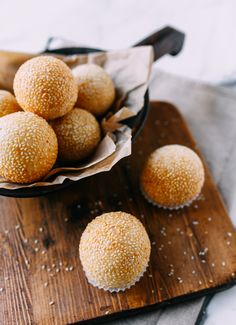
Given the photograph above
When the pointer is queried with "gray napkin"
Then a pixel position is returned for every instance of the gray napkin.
(211, 115)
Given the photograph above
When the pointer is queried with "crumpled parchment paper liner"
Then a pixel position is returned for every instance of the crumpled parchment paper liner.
(130, 71)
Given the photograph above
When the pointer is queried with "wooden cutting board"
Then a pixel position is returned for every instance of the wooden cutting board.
(193, 250)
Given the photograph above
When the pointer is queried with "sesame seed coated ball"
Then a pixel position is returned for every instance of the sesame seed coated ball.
(45, 86)
(172, 177)
(96, 91)
(78, 134)
(114, 251)
(8, 103)
(28, 147)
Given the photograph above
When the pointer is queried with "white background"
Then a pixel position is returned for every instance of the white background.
(209, 54)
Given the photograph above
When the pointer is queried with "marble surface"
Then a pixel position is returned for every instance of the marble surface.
(208, 55)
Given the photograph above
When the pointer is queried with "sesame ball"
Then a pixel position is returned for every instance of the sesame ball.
(45, 86)
(78, 134)
(28, 147)
(172, 177)
(96, 91)
(8, 103)
(114, 251)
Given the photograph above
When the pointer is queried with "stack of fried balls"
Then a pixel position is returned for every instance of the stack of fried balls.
(52, 117)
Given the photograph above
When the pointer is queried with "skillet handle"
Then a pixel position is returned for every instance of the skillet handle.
(166, 41)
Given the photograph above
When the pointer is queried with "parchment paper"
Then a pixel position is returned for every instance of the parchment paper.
(130, 71)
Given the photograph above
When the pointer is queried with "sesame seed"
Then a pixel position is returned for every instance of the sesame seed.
(43, 252)
(229, 234)
(43, 267)
(6, 231)
(213, 264)
(40, 229)
(211, 281)
(209, 219)
(45, 284)
(223, 263)
(200, 282)
(106, 312)
(195, 222)
(71, 268)
(17, 226)
(193, 272)
(36, 241)
(1, 289)
(51, 302)
(66, 219)
(153, 243)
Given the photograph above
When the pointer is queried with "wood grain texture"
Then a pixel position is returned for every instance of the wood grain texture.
(193, 249)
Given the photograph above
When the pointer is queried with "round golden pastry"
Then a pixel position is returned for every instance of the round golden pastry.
(28, 147)
(96, 91)
(8, 103)
(78, 134)
(45, 86)
(172, 177)
(114, 251)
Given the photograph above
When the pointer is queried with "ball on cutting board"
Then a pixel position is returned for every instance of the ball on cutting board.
(78, 134)
(28, 147)
(8, 103)
(172, 177)
(114, 251)
(45, 86)
(96, 91)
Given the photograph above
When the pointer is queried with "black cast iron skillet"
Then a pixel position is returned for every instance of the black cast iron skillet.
(166, 41)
